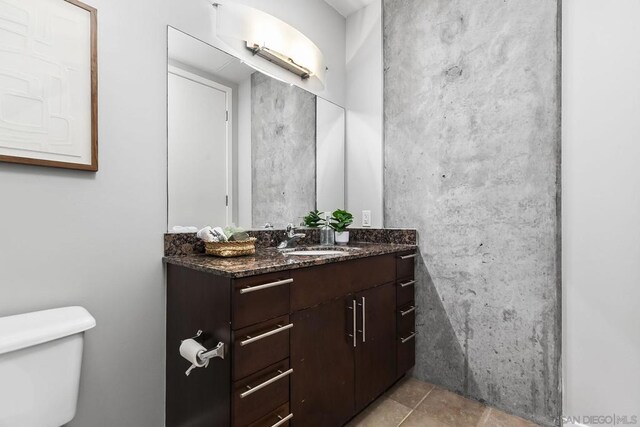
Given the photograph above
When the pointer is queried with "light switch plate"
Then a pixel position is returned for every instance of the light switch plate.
(366, 218)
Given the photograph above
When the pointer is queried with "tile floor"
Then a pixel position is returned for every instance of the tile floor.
(413, 403)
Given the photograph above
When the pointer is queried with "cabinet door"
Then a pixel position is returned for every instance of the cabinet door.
(322, 384)
(376, 347)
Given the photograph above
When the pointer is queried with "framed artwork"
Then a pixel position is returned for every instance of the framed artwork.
(49, 83)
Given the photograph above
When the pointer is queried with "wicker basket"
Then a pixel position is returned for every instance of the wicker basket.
(231, 249)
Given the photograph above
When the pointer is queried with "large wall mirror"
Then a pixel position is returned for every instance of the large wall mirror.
(244, 147)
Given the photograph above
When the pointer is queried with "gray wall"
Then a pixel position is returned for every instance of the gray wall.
(283, 151)
(96, 239)
(471, 160)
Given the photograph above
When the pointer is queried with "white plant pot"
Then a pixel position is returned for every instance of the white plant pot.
(342, 238)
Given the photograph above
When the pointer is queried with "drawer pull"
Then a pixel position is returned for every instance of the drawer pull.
(409, 283)
(410, 310)
(363, 331)
(266, 383)
(266, 334)
(265, 286)
(408, 256)
(282, 420)
(353, 312)
(410, 337)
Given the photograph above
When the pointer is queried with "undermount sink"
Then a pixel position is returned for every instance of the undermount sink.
(314, 252)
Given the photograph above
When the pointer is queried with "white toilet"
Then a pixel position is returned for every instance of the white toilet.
(40, 359)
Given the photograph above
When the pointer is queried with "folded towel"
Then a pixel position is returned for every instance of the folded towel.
(206, 235)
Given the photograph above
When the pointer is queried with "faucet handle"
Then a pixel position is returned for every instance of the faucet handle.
(291, 230)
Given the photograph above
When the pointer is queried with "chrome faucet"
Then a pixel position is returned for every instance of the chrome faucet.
(291, 237)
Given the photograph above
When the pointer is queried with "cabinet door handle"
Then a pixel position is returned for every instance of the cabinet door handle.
(279, 329)
(408, 256)
(266, 383)
(409, 283)
(265, 286)
(410, 337)
(353, 312)
(282, 420)
(364, 320)
(410, 310)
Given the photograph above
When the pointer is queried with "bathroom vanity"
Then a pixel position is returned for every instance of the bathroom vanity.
(309, 340)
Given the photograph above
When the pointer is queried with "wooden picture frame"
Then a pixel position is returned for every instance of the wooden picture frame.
(53, 89)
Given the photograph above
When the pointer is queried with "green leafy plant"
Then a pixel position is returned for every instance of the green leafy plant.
(340, 220)
(313, 219)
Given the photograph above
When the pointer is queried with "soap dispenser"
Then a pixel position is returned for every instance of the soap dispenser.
(327, 237)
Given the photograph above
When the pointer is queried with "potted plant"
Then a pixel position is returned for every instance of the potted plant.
(340, 220)
(313, 219)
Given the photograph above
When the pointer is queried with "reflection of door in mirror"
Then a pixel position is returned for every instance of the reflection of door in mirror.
(199, 143)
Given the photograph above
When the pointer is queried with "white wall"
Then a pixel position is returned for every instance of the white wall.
(244, 154)
(69, 237)
(601, 207)
(364, 113)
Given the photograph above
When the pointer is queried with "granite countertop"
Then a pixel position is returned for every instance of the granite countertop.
(268, 260)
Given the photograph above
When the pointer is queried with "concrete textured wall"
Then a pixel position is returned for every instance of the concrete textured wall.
(283, 151)
(471, 160)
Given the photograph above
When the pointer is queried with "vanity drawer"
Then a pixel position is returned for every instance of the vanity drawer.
(278, 418)
(405, 264)
(258, 346)
(324, 283)
(406, 319)
(261, 393)
(406, 352)
(405, 291)
(259, 298)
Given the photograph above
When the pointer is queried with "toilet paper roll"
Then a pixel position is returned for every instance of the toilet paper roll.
(192, 350)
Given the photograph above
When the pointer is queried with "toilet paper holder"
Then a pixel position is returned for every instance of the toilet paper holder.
(218, 351)
(202, 357)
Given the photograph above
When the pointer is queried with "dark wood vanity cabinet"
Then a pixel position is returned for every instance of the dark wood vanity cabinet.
(375, 358)
(304, 347)
(322, 388)
(405, 313)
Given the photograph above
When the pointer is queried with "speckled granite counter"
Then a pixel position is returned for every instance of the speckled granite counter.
(189, 244)
(268, 260)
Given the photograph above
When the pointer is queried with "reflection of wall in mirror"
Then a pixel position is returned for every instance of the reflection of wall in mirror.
(283, 137)
(330, 156)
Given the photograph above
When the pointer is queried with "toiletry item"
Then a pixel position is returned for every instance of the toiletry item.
(219, 235)
(326, 234)
(239, 236)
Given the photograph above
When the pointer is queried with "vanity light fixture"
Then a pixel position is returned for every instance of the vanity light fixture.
(279, 59)
(249, 33)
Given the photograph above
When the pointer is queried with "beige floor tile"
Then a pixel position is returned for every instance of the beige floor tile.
(451, 409)
(381, 413)
(420, 419)
(409, 391)
(498, 418)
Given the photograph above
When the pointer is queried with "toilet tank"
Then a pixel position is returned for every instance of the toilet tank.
(40, 360)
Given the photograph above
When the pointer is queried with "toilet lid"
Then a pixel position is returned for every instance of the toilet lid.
(29, 329)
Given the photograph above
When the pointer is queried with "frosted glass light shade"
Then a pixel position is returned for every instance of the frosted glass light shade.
(237, 25)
